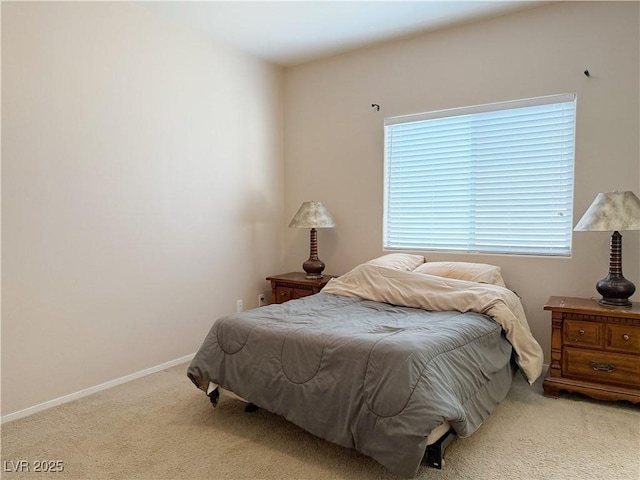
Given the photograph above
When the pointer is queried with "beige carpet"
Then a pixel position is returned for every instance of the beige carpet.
(162, 427)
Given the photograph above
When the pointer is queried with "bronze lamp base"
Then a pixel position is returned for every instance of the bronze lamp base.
(614, 288)
(313, 266)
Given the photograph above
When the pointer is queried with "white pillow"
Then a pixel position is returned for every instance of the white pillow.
(398, 261)
(471, 272)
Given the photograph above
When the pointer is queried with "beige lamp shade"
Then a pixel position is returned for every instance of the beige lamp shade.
(609, 212)
(312, 215)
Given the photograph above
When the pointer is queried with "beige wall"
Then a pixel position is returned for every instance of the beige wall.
(334, 139)
(142, 184)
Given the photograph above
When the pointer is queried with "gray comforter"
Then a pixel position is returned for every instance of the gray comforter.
(362, 374)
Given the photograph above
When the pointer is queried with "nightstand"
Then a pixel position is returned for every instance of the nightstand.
(595, 350)
(289, 286)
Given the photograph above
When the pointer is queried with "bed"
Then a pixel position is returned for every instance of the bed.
(387, 359)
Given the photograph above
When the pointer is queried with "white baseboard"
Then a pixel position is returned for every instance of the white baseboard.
(88, 391)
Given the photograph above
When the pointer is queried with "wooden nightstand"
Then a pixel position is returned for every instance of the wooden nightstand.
(595, 350)
(289, 286)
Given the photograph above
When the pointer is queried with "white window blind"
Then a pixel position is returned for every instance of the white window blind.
(493, 178)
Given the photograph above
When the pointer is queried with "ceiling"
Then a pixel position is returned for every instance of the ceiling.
(293, 32)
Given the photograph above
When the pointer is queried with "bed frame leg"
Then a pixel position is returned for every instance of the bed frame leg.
(434, 456)
(214, 396)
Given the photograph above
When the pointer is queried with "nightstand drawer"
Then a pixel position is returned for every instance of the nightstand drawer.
(290, 286)
(601, 366)
(583, 334)
(301, 292)
(623, 338)
(283, 294)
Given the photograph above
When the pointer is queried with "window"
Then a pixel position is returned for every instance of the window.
(493, 178)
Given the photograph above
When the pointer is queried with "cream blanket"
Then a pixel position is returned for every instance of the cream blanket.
(429, 292)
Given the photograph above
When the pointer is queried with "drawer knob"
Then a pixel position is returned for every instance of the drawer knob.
(603, 367)
(625, 336)
(581, 332)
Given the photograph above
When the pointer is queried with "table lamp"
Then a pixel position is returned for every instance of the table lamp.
(613, 211)
(312, 215)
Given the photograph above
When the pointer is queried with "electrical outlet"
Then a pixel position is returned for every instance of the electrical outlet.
(239, 306)
(261, 301)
